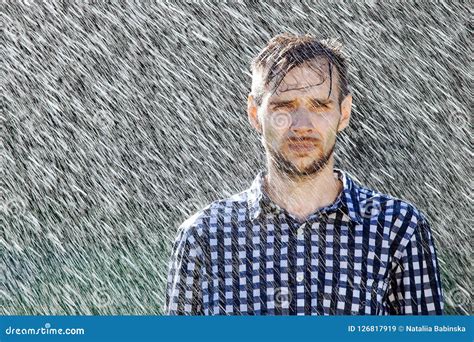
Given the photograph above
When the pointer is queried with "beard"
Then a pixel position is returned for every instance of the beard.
(288, 168)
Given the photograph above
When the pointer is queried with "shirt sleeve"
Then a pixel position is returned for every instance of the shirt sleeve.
(183, 292)
(415, 287)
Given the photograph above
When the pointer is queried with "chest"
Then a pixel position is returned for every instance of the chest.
(325, 267)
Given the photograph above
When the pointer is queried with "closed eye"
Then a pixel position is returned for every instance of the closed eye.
(281, 106)
(319, 104)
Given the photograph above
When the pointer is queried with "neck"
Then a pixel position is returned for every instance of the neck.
(305, 195)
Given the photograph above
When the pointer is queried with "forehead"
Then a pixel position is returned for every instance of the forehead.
(310, 79)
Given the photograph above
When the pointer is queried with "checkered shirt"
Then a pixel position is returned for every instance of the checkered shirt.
(368, 253)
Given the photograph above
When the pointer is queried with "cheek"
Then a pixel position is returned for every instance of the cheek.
(327, 124)
(272, 132)
(272, 138)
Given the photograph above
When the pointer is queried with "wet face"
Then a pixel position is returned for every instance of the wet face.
(300, 120)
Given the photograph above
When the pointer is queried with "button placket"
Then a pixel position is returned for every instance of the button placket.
(300, 232)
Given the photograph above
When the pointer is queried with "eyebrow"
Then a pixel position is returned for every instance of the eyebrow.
(282, 103)
(292, 102)
(322, 101)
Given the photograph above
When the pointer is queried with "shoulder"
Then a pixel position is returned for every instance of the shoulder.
(403, 219)
(374, 201)
(198, 224)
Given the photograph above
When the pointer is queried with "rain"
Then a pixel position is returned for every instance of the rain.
(119, 121)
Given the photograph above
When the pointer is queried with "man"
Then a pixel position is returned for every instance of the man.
(305, 238)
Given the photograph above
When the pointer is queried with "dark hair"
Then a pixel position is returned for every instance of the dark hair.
(284, 52)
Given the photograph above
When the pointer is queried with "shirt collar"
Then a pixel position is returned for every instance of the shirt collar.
(348, 200)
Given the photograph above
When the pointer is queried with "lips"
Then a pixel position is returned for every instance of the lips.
(301, 147)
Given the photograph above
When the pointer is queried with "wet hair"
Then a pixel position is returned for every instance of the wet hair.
(285, 51)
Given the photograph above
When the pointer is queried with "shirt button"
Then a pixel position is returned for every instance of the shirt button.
(300, 231)
(299, 277)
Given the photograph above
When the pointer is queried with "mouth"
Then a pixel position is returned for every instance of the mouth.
(301, 146)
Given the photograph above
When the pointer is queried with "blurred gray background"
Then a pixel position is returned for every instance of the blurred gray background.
(119, 121)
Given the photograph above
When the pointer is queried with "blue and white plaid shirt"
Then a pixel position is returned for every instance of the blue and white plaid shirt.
(366, 254)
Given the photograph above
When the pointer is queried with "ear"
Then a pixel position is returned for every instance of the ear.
(346, 106)
(252, 112)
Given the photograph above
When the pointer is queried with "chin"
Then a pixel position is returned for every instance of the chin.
(303, 158)
(303, 162)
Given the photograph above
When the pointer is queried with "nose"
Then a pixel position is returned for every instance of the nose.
(302, 123)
